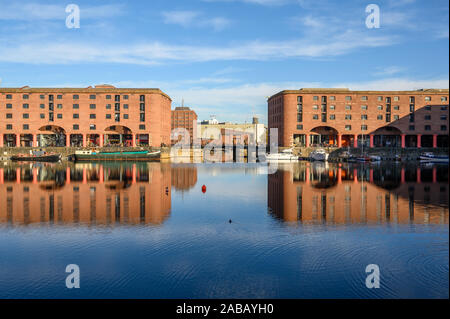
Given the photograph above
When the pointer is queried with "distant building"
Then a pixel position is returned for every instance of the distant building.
(254, 132)
(341, 117)
(184, 117)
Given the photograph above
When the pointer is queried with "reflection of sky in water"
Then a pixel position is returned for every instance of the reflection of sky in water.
(195, 252)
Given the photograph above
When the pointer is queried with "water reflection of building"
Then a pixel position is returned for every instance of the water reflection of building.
(347, 194)
(184, 176)
(85, 193)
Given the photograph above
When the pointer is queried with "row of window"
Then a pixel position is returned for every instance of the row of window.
(76, 116)
(364, 107)
(379, 117)
(76, 97)
(77, 106)
(366, 98)
(365, 127)
(75, 126)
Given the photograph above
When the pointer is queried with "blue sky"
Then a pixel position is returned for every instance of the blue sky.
(224, 57)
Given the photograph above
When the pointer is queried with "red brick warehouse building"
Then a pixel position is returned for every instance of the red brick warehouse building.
(184, 117)
(341, 117)
(95, 116)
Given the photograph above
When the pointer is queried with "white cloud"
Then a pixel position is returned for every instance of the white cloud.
(156, 52)
(36, 11)
(194, 18)
(387, 71)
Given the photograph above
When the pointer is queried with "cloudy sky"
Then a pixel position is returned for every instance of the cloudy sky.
(224, 57)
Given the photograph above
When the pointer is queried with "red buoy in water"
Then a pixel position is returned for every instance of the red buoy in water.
(203, 189)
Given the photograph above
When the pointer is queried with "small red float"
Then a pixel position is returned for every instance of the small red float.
(203, 189)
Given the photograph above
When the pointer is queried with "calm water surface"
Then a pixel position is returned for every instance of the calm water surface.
(148, 231)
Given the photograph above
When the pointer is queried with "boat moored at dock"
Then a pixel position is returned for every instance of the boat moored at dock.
(89, 155)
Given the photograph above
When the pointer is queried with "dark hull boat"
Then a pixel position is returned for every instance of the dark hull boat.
(86, 156)
(39, 158)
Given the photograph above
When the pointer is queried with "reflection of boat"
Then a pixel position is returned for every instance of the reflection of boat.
(319, 155)
(285, 155)
(430, 157)
(371, 158)
(117, 156)
(37, 158)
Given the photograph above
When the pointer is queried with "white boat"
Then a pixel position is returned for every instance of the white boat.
(285, 155)
(319, 155)
(430, 157)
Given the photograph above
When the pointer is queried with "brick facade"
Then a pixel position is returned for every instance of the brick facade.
(92, 116)
(342, 117)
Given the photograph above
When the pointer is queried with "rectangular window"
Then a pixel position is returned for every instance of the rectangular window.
(388, 99)
(59, 106)
(8, 96)
(9, 115)
(76, 96)
(117, 98)
(379, 98)
(332, 117)
(412, 128)
(299, 127)
(315, 98)
(50, 117)
(26, 127)
(142, 98)
(76, 106)
(396, 107)
(428, 117)
(443, 127)
(443, 99)
(443, 117)
(42, 106)
(108, 97)
(9, 106)
(108, 106)
(299, 108)
(380, 117)
(142, 117)
(76, 127)
(396, 98)
(117, 107)
(443, 108)
(364, 117)
(411, 117)
(42, 96)
(92, 106)
(323, 108)
(25, 96)
(411, 107)
(299, 117)
(26, 115)
(348, 98)
(388, 118)
(332, 107)
(348, 116)
(108, 116)
(348, 127)
(348, 107)
(363, 98)
(42, 115)
(315, 107)
(412, 99)
(125, 97)
(117, 117)
(125, 106)
(92, 116)
(92, 126)
(125, 116)
(363, 127)
(142, 126)
(299, 99)
(76, 115)
(9, 126)
(427, 98)
(380, 107)
(59, 116)
(26, 106)
(315, 117)
(92, 97)
(59, 97)
(396, 117)
(427, 127)
(364, 107)
(332, 98)
(324, 99)
(50, 106)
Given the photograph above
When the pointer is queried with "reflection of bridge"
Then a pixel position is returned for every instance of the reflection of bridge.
(349, 194)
